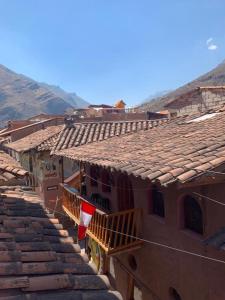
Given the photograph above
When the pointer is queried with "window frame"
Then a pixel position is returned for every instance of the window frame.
(154, 207)
(198, 231)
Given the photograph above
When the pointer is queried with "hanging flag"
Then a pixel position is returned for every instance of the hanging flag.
(86, 212)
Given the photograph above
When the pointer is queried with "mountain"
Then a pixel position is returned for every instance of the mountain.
(154, 98)
(72, 98)
(215, 77)
(22, 97)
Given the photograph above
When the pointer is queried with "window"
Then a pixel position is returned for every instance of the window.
(193, 215)
(106, 182)
(30, 164)
(157, 202)
(174, 294)
(125, 196)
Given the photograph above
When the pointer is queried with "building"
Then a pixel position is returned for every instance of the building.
(120, 104)
(200, 99)
(159, 229)
(33, 153)
(78, 134)
(12, 135)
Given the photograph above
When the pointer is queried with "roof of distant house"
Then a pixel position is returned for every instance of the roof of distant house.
(172, 153)
(119, 102)
(39, 259)
(44, 122)
(46, 116)
(83, 133)
(42, 139)
(100, 106)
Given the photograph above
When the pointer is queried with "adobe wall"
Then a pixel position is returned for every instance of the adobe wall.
(48, 174)
(158, 268)
(202, 101)
(213, 98)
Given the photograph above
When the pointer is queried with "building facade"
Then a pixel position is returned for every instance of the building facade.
(159, 224)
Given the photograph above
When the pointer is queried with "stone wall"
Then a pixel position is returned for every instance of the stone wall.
(212, 98)
(204, 100)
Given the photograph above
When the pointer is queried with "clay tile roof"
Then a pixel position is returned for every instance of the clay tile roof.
(9, 167)
(41, 140)
(175, 152)
(84, 133)
(39, 260)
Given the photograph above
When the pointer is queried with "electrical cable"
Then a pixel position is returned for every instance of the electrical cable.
(157, 243)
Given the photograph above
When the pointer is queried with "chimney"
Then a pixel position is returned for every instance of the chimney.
(69, 122)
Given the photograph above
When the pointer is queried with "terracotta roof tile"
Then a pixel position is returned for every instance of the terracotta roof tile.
(84, 133)
(174, 152)
(41, 140)
(38, 258)
(10, 168)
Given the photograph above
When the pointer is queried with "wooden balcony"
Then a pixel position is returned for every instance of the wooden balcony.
(115, 232)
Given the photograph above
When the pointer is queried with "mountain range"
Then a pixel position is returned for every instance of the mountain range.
(22, 97)
(215, 77)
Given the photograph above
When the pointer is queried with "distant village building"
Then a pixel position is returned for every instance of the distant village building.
(200, 99)
(14, 133)
(118, 112)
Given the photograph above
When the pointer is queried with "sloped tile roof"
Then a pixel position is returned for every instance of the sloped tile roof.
(10, 168)
(39, 259)
(83, 133)
(33, 125)
(41, 139)
(176, 152)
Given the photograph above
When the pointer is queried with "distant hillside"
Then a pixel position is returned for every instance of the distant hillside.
(214, 77)
(22, 97)
(71, 98)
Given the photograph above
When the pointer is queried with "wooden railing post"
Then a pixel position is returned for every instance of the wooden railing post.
(114, 232)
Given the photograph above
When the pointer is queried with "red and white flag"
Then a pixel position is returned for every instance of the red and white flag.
(86, 212)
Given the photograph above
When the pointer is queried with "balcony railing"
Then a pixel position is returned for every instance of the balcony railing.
(115, 232)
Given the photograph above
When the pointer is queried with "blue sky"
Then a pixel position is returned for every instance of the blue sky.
(106, 50)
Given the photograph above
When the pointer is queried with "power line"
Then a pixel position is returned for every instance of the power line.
(158, 244)
(158, 191)
(213, 200)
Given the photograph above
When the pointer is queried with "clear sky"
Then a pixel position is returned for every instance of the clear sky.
(106, 50)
